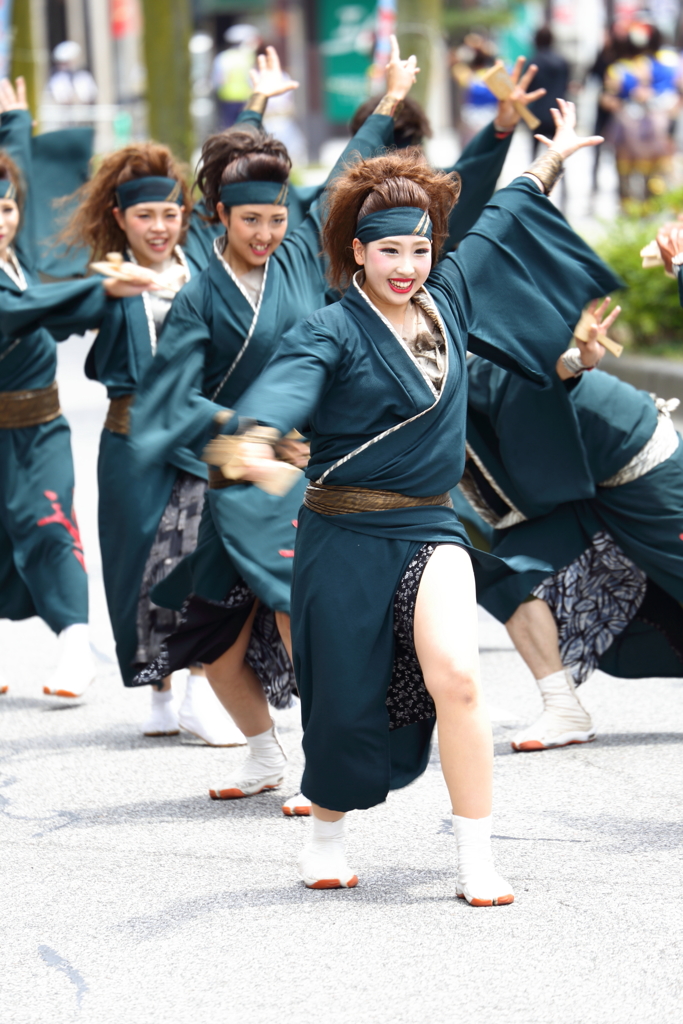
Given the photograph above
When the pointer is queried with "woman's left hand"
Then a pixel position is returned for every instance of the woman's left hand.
(566, 141)
(591, 350)
(268, 79)
(508, 117)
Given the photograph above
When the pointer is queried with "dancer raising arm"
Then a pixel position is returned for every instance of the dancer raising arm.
(219, 335)
(42, 568)
(138, 204)
(383, 602)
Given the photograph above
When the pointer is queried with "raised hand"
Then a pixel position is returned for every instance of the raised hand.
(401, 74)
(507, 116)
(566, 141)
(670, 242)
(267, 78)
(591, 350)
(13, 97)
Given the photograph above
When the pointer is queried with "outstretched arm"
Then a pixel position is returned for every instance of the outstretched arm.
(481, 162)
(522, 276)
(267, 79)
(16, 128)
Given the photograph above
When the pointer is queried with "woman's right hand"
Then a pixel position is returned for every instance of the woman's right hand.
(267, 79)
(13, 97)
(401, 74)
(565, 140)
(138, 280)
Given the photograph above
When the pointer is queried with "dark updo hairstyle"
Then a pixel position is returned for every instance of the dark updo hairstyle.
(239, 154)
(398, 179)
(93, 224)
(10, 172)
(411, 124)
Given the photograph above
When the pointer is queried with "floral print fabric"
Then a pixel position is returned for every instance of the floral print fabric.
(592, 599)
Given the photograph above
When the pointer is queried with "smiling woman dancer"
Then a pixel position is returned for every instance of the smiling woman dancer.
(383, 603)
(42, 568)
(138, 204)
(219, 335)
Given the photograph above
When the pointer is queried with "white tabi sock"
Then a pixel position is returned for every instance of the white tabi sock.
(262, 769)
(564, 719)
(75, 669)
(478, 881)
(163, 717)
(161, 696)
(322, 862)
(265, 752)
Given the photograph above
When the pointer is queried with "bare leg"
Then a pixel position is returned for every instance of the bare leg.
(284, 625)
(533, 631)
(237, 686)
(447, 649)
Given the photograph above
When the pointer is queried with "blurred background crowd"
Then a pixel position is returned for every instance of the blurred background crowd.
(175, 70)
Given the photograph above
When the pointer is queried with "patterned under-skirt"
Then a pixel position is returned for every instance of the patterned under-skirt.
(595, 598)
(209, 628)
(175, 538)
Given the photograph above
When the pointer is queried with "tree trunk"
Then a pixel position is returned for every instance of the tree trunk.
(168, 24)
(418, 25)
(23, 60)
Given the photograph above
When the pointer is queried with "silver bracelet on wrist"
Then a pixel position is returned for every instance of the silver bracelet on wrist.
(571, 360)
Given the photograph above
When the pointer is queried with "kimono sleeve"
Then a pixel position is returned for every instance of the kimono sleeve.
(16, 127)
(290, 387)
(520, 280)
(479, 165)
(67, 308)
(301, 249)
(171, 418)
(60, 165)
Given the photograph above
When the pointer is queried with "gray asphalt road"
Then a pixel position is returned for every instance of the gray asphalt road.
(127, 896)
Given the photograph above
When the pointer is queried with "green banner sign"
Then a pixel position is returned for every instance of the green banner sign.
(346, 44)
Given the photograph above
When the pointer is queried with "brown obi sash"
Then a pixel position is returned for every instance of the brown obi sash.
(29, 408)
(118, 415)
(330, 500)
(217, 481)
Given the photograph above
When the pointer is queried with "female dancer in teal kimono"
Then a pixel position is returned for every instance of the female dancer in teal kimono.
(218, 337)
(42, 568)
(588, 477)
(383, 599)
(138, 203)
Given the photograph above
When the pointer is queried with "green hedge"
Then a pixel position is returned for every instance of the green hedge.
(651, 318)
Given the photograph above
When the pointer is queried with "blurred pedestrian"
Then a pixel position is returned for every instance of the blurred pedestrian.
(70, 84)
(643, 93)
(231, 68)
(478, 104)
(553, 76)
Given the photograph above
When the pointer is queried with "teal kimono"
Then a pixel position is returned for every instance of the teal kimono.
(201, 332)
(55, 165)
(42, 568)
(131, 505)
(542, 460)
(214, 343)
(519, 280)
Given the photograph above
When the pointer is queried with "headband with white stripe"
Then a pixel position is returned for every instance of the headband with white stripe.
(255, 193)
(8, 189)
(396, 222)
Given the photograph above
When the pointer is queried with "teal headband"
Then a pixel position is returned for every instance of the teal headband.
(8, 189)
(256, 193)
(400, 220)
(150, 189)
